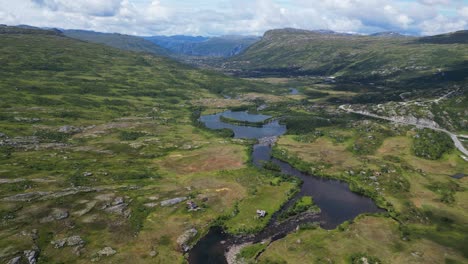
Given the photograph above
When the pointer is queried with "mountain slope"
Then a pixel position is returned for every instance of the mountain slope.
(125, 42)
(224, 46)
(460, 37)
(88, 136)
(353, 57)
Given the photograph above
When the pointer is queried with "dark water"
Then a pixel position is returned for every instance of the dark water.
(458, 176)
(293, 91)
(336, 201)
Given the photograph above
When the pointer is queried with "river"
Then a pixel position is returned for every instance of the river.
(336, 201)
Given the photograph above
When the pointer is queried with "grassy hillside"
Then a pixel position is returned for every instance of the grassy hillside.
(119, 41)
(93, 139)
(384, 60)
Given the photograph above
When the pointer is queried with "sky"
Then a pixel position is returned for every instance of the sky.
(243, 17)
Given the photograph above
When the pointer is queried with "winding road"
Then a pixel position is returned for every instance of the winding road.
(454, 137)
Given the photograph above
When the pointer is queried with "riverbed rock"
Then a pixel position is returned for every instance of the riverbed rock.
(107, 251)
(183, 239)
(173, 201)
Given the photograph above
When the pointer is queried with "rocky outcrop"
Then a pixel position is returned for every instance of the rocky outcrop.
(183, 239)
(107, 251)
(70, 129)
(173, 201)
(69, 241)
(57, 214)
(118, 206)
(15, 260)
(31, 256)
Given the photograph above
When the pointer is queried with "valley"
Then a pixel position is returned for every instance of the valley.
(341, 150)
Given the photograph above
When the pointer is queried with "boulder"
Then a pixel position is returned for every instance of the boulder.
(31, 256)
(173, 201)
(69, 129)
(120, 209)
(57, 214)
(118, 200)
(74, 241)
(107, 251)
(69, 241)
(15, 260)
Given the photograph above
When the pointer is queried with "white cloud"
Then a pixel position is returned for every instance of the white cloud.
(91, 7)
(464, 12)
(212, 17)
(441, 24)
(436, 2)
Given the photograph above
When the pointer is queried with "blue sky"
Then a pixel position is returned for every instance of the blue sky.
(247, 17)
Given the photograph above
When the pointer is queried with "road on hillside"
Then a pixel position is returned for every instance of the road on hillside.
(454, 137)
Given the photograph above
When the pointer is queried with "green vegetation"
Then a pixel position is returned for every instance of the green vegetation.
(362, 258)
(102, 136)
(304, 204)
(270, 165)
(398, 64)
(431, 145)
(251, 251)
(244, 123)
(93, 139)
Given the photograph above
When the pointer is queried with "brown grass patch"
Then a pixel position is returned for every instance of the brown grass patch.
(213, 158)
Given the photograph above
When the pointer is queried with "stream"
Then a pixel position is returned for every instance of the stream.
(336, 201)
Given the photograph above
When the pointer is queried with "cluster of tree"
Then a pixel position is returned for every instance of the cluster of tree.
(431, 144)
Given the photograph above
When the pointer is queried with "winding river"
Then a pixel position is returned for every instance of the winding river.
(337, 203)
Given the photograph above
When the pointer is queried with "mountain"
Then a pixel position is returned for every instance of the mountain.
(286, 52)
(84, 125)
(120, 41)
(224, 46)
(388, 34)
(28, 30)
(459, 37)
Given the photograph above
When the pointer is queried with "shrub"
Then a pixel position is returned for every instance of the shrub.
(130, 135)
(51, 136)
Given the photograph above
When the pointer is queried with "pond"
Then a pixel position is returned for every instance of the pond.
(293, 91)
(336, 201)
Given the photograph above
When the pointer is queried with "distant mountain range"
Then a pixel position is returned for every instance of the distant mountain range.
(120, 41)
(224, 46)
(380, 57)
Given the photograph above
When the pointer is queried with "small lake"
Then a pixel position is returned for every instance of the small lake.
(336, 201)
(458, 176)
(273, 128)
(293, 91)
